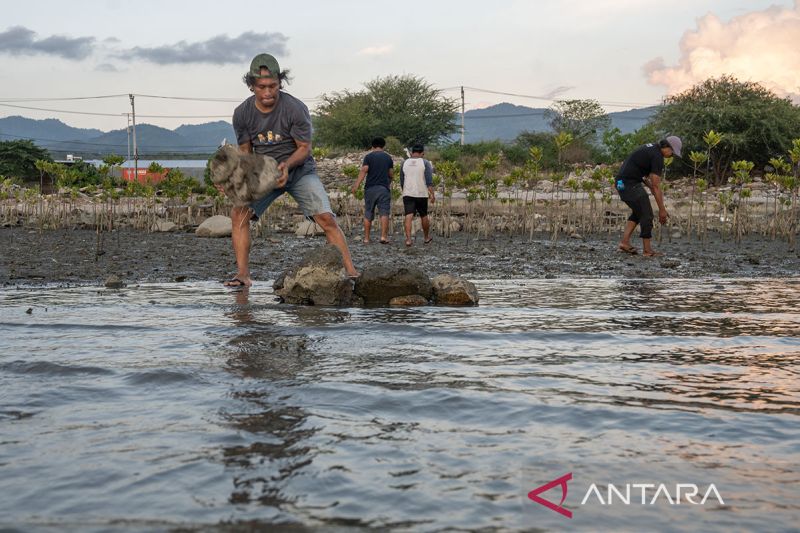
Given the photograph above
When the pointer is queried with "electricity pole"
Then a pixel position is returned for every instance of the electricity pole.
(128, 130)
(462, 115)
(135, 148)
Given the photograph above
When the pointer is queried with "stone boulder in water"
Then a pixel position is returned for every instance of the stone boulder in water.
(378, 284)
(244, 177)
(318, 279)
(454, 290)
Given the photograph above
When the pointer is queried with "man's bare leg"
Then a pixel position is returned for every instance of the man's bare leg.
(407, 228)
(367, 230)
(384, 228)
(240, 236)
(426, 228)
(625, 243)
(335, 237)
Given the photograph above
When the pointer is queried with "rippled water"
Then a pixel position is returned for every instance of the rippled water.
(162, 406)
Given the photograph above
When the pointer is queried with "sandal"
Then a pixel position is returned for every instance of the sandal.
(652, 254)
(235, 283)
(428, 241)
(628, 249)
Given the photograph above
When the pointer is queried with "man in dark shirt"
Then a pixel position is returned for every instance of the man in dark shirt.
(276, 124)
(378, 169)
(644, 167)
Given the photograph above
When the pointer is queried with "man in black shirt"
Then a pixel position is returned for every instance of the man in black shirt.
(378, 169)
(644, 167)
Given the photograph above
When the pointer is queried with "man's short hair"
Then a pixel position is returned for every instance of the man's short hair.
(378, 142)
(417, 149)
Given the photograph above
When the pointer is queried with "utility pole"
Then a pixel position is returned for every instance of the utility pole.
(462, 115)
(128, 130)
(135, 148)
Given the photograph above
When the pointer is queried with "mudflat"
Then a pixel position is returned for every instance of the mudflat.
(65, 256)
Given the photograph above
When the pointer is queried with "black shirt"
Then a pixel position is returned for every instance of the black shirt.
(379, 163)
(641, 163)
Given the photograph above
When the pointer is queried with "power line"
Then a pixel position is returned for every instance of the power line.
(61, 99)
(63, 111)
(108, 145)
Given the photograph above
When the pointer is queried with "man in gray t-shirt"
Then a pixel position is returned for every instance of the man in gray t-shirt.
(276, 124)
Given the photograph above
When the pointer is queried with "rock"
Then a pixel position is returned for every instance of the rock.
(180, 279)
(216, 226)
(454, 290)
(244, 177)
(455, 226)
(486, 251)
(308, 228)
(677, 235)
(379, 284)
(318, 279)
(413, 300)
(163, 226)
(670, 263)
(576, 236)
(113, 282)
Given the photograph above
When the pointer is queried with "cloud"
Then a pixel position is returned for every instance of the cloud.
(106, 67)
(761, 46)
(376, 51)
(18, 40)
(558, 91)
(219, 50)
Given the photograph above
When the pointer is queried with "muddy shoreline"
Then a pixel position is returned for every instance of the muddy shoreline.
(69, 257)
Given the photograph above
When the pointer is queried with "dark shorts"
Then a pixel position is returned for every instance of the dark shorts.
(412, 204)
(635, 197)
(379, 197)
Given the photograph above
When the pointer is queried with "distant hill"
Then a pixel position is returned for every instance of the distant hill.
(502, 121)
(45, 130)
(60, 138)
(505, 121)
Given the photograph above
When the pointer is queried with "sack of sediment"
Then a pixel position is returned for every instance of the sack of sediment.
(244, 177)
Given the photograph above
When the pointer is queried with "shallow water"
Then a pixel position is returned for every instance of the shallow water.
(180, 405)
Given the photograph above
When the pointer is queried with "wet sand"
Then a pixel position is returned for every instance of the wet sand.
(31, 257)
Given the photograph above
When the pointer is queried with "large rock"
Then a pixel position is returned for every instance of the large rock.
(216, 226)
(453, 290)
(379, 284)
(243, 177)
(308, 228)
(163, 226)
(318, 279)
(413, 300)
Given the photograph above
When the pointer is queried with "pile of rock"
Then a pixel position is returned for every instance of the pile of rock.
(319, 279)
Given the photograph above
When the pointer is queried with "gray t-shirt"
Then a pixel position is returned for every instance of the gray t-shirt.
(274, 133)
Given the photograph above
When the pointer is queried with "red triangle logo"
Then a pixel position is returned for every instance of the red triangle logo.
(562, 481)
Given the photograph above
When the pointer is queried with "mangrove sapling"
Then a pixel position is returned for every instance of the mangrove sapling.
(533, 172)
(697, 159)
(739, 195)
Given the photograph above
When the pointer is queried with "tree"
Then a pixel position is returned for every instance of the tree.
(755, 124)
(18, 159)
(583, 119)
(620, 145)
(406, 107)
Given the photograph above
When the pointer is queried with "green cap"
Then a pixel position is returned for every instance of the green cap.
(264, 61)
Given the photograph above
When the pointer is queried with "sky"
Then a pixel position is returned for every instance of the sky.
(622, 53)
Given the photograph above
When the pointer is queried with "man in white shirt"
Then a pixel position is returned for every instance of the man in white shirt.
(416, 180)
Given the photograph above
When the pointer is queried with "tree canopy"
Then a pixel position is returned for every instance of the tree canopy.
(18, 159)
(755, 123)
(406, 107)
(583, 119)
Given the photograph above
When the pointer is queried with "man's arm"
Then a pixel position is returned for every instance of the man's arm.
(361, 175)
(653, 181)
(297, 158)
(429, 181)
